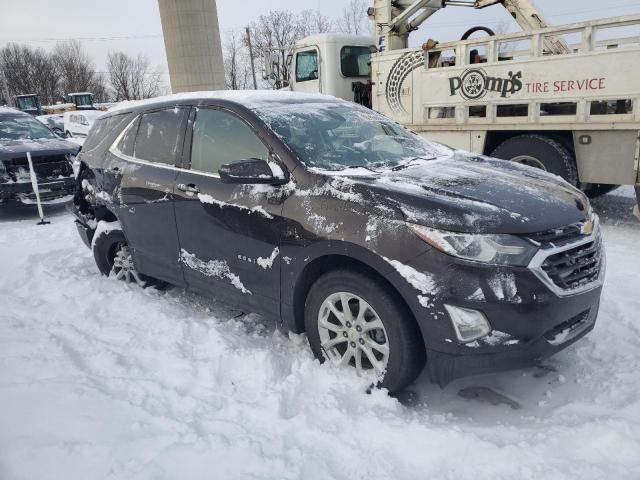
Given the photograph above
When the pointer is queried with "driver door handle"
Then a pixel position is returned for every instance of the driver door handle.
(191, 188)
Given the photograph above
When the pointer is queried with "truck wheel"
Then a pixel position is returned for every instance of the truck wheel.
(540, 152)
(593, 190)
(353, 321)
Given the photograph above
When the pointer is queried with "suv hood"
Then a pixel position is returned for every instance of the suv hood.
(43, 146)
(478, 194)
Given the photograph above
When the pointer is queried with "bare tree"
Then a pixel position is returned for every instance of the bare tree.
(278, 32)
(311, 22)
(75, 70)
(236, 61)
(28, 71)
(131, 78)
(354, 19)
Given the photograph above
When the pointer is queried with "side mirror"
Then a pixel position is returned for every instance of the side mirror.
(267, 61)
(252, 171)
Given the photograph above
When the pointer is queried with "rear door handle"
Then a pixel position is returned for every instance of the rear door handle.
(191, 188)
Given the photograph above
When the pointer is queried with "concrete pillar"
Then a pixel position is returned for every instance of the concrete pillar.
(192, 43)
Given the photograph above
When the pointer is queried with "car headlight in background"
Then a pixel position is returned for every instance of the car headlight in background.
(495, 249)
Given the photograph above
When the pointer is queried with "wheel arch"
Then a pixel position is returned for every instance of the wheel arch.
(353, 257)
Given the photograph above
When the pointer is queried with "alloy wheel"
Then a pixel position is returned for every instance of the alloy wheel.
(352, 334)
(123, 267)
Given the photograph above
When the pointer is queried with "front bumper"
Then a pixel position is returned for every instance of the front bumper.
(52, 190)
(530, 321)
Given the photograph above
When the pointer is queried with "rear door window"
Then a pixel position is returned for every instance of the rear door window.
(125, 146)
(159, 137)
(220, 137)
(101, 130)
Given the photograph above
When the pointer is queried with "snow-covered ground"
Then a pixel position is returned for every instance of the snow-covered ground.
(102, 380)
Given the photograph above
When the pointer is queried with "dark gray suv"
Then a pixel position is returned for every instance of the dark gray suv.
(390, 251)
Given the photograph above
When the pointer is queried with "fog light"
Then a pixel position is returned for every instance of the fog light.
(469, 324)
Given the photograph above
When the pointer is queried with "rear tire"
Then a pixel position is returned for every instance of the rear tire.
(113, 258)
(406, 355)
(541, 152)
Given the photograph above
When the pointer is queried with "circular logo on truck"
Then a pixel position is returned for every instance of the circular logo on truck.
(474, 83)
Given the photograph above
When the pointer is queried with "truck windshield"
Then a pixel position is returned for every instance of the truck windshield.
(22, 127)
(27, 103)
(83, 100)
(337, 136)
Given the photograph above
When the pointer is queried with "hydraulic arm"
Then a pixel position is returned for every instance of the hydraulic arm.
(396, 19)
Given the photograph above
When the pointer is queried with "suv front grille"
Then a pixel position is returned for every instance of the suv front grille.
(46, 167)
(559, 236)
(575, 267)
(570, 259)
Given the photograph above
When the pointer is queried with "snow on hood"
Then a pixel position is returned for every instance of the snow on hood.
(44, 146)
(470, 193)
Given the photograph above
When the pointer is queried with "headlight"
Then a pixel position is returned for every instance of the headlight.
(469, 324)
(498, 249)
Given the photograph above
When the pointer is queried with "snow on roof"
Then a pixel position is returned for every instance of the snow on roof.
(354, 40)
(26, 95)
(80, 93)
(248, 98)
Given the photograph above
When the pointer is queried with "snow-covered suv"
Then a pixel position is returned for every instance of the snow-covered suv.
(388, 250)
(51, 156)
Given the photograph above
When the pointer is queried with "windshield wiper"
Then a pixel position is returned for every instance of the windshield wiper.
(408, 163)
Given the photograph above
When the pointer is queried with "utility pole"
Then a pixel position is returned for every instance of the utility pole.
(5, 88)
(253, 66)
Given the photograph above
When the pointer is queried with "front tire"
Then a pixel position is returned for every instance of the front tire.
(357, 322)
(541, 152)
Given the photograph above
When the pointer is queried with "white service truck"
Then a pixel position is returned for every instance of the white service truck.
(566, 99)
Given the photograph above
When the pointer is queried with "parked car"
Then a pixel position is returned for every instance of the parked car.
(55, 122)
(52, 159)
(78, 123)
(388, 250)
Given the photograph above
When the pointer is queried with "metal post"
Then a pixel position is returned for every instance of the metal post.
(253, 66)
(36, 190)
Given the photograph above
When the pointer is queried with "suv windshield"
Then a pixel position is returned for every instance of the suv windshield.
(336, 136)
(22, 127)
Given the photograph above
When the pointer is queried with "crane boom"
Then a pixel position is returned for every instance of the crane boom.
(396, 19)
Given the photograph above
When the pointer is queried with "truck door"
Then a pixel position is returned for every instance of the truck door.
(306, 71)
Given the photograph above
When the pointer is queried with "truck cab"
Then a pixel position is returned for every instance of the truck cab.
(81, 100)
(29, 103)
(332, 64)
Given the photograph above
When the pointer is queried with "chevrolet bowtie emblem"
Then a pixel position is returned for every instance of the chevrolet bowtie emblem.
(587, 228)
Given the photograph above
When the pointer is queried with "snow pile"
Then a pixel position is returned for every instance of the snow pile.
(102, 229)
(268, 262)
(212, 268)
(103, 380)
(206, 198)
(418, 280)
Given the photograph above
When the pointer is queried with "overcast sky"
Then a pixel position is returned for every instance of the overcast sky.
(134, 26)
